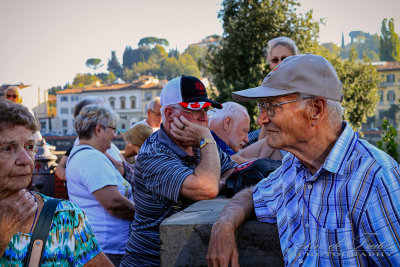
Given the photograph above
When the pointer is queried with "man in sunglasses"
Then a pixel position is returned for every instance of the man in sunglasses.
(177, 165)
(335, 197)
(12, 93)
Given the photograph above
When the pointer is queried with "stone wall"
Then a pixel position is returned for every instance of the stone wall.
(185, 236)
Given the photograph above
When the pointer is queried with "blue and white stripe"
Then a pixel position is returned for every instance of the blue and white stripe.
(346, 214)
(160, 170)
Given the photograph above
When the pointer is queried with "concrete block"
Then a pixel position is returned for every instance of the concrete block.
(185, 236)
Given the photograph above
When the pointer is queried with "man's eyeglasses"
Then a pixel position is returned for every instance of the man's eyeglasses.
(195, 113)
(270, 108)
(113, 129)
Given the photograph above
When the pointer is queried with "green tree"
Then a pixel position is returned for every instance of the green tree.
(150, 40)
(389, 43)
(94, 63)
(360, 85)
(388, 141)
(129, 75)
(84, 79)
(54, 89)
(239, 61)
(114, 66)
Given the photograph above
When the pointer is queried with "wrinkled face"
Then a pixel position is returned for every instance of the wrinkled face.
(199, 117)
(13, 95)
(107, 135)
(154, 116)
(278, 54)
(17, 154)
(238, 134)
(289, 125)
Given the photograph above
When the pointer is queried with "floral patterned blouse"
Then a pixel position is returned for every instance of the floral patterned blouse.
(71, 241)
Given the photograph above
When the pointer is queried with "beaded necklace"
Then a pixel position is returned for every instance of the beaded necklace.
(37, 207)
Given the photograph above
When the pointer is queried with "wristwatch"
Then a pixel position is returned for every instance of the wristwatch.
(205, 141)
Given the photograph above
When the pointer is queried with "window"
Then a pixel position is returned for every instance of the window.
(122, 100)
(380, 94)
(64, 110)
(391, 97)
(123, 126)
(112, 102)
(158, 93)
(64, 98)
(390, 78)
(64, 123)
(133, 102)
(72, 110)
(148, 96)
(382, 114)
(123, 117)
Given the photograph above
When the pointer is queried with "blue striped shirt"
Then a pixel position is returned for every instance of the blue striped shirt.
(346, 214)
(160, 170)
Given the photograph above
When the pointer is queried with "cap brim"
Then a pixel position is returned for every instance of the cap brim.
(259, 92)
(206, 100)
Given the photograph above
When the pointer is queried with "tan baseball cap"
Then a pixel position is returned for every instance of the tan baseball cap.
(308, 74)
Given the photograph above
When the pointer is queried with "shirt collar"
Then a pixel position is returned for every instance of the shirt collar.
(334, 163)
(341, 150)
(164, 139)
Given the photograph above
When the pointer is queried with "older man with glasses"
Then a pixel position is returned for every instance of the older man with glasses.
(335, 197)
(153, 115)
(176, 166)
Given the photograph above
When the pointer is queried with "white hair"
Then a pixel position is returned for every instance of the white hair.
(152, 103)
(285, 41)
(162, 109)
(334, 109)
(228, 109)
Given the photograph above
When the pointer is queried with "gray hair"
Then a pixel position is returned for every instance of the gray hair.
(285, 41)
(90, 116)
(334, 109)
(152, 103)
(13, 114)
(85, 102)
(228, 109)
(162, 109)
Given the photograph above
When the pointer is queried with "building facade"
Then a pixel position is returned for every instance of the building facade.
(389, 95)
(130, 101)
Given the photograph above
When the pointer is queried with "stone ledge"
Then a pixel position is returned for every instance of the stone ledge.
(185, 236)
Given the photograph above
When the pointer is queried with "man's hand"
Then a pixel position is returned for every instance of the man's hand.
(188, 133)
(222, 248)
(15, 211)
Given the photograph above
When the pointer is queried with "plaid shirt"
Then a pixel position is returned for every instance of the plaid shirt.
(346, 214)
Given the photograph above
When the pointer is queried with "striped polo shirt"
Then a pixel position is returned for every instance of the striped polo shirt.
(160, 170)
(346, 214)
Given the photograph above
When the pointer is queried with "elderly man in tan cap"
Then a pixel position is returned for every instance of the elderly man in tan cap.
(335, 199)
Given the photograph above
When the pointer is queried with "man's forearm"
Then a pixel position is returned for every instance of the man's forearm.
(239, 209)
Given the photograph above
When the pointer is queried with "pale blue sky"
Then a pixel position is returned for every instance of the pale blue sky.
(46, 42)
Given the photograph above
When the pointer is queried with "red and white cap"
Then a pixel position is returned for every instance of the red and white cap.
(187, 91)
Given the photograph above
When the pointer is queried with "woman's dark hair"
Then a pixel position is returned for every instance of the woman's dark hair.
(13, 114)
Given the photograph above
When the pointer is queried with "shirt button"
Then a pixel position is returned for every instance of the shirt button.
(307, 225)
(300, 261)
(309, 186)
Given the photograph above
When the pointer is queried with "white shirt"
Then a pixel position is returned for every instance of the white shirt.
(90, 170)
